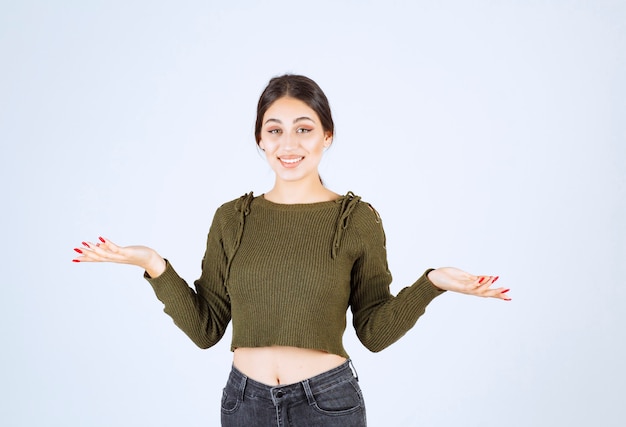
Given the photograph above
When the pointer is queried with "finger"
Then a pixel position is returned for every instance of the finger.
(500, 293)
(82, 253)
(483, 284)
(105, 242)
(482, 280)
(486, 281)
(86, 257)
(87, 254)
(110, 246)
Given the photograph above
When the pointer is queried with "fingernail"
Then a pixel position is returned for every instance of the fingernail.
(101, 239)
(78, 250)
(507, 299)
(481, 280)
(86, 244)
(494, 280)
(75, 260)
(505, 291)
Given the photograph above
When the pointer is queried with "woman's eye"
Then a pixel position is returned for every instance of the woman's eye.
(274, 131)
(303, 130)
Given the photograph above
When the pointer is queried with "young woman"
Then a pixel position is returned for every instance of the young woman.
(284, 267)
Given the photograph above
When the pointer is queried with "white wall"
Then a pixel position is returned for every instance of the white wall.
(489, 135)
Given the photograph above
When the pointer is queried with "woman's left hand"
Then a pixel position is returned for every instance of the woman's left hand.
(455, 280)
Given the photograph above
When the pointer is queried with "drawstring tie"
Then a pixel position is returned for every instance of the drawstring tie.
(242, 206)
(348, 203)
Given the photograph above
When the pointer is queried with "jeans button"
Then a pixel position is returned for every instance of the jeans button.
(279, 394)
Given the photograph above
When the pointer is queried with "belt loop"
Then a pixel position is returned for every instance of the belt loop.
(309, 393)
(242, 386)
(356, 375)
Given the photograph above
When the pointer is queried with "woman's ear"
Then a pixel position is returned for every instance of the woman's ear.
(261, 145)
(328, 139)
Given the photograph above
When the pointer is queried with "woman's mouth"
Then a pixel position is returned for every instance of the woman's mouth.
(290, 162)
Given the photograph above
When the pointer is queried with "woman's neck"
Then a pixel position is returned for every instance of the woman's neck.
(297, 193)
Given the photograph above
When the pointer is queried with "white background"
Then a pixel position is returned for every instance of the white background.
(489, 135)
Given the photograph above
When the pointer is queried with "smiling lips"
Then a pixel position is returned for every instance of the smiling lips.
(290, 162)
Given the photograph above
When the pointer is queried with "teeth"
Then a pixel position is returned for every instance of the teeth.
(291, 160)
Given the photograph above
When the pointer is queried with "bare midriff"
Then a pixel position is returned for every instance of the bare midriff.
(283, 365)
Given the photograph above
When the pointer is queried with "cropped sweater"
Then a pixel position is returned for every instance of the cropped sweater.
(286, 275)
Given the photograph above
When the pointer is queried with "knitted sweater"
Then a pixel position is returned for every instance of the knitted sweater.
(286, 275)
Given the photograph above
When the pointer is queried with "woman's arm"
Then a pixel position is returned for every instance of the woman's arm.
(381, 318)
(202, 312)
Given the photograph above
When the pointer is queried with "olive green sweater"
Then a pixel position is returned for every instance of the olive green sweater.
(286, 275)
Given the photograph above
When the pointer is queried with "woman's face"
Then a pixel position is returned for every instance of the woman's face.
(293, 140)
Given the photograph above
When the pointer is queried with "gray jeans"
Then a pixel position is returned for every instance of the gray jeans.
(330, 399)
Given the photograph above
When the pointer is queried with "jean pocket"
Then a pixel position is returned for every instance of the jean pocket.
(341, 399)
(230, 402)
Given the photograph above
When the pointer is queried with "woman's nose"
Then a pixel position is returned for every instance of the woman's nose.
(290, 142)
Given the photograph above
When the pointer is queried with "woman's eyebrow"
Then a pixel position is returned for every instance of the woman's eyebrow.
(295, 120)
(303, 118)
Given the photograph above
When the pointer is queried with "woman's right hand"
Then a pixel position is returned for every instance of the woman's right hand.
(107, 251)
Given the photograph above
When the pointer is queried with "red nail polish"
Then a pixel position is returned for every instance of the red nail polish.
(505, 291)
(507, 299)
(75, 260)
(101, 239)
(78, 250)
(494, 280)
(481, 280)
(86, 244)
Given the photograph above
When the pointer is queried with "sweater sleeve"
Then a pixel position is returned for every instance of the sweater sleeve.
(379, 318)
(204, 313)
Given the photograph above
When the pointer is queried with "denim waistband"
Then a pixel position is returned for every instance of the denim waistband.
(249, 388)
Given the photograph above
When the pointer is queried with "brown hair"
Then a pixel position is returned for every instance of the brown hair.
(298, 87)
